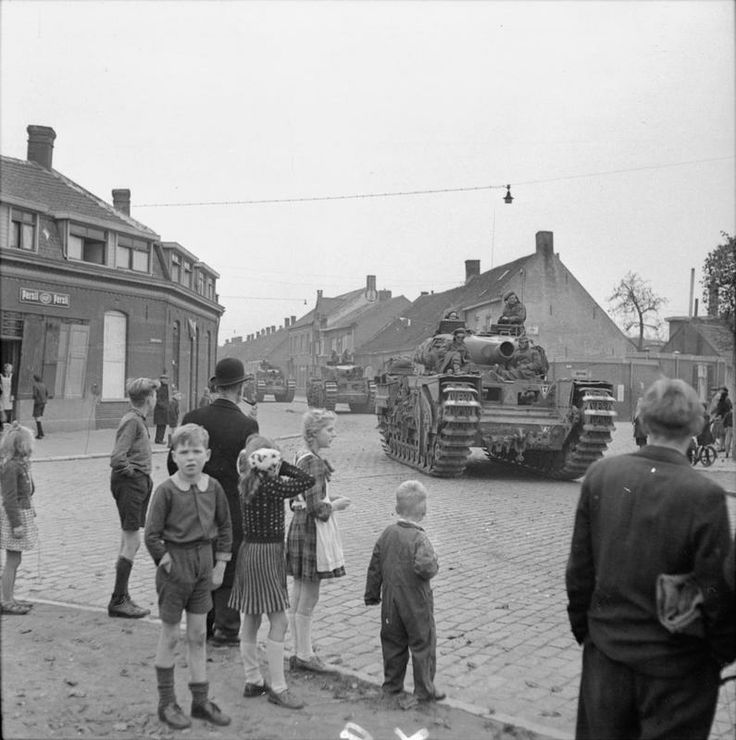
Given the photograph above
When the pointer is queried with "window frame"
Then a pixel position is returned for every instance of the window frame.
(133, 247)
(28, 218)
(88, 236)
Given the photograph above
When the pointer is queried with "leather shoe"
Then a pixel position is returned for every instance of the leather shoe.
(254, 689)
(173, 715)
(285, 699)
(220, 639)
(210, 712)
(437, 696)
(313, 664)
(126, 608)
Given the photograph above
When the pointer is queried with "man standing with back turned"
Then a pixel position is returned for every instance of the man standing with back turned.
(647, 594)
(228, 428)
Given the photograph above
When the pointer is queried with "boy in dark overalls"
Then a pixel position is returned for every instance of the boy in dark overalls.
(398, 578)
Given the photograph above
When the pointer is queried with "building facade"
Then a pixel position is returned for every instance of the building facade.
(91, 297)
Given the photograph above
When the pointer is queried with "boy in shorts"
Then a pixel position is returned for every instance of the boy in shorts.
(399, 573)
(189, 513)
(131, 485)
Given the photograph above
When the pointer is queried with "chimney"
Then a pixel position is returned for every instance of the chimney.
(286, 322)
(384, 295)
(121, 200)
(545, 244)
(293, 320)
(472, 269)
(370, 284)
(319, 293)
(273, 330)
(41, 145)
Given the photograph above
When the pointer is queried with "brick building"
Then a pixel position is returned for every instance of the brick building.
(92, 297)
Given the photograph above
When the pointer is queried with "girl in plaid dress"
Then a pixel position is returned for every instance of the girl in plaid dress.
(301, 543)
(259, 586)
(18, 530)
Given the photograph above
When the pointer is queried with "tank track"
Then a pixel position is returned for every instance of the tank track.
(330, 395)
(587, 442)
(440, 450)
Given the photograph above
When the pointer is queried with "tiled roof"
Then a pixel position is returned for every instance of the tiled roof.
(53, 192)
(421, 318)
(717, 333)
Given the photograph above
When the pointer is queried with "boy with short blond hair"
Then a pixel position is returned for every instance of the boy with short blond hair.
(399, 573)
(189, 513)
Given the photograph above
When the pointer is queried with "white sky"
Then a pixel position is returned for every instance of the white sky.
(224, 101)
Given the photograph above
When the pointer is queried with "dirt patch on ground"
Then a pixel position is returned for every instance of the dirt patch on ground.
(69, 673)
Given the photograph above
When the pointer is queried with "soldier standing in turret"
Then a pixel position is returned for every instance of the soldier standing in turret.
(514, 311)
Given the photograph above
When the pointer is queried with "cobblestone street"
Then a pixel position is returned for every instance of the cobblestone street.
(502, 538)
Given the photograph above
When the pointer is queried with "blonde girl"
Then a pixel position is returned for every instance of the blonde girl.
(259, 585)
(301, 544)
(18, 531)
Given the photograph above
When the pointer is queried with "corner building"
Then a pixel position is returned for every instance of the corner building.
(90, 297)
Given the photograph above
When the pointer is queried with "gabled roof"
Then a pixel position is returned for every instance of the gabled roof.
(27, 183)
(716, 332)
(420, 320)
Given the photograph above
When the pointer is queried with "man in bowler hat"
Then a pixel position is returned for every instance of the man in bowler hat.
(228, 428)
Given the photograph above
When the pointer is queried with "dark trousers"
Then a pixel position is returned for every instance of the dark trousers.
(160, 432)
(404, 629)
(222, 619)
(617, 703)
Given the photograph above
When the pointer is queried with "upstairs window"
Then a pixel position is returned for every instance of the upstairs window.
(132, 254)
(211, 289)
(23, 230)
(186, 277)
(200, 283)
(175, 268)
(86, 244)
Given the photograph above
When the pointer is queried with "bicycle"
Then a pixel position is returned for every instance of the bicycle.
(705, 454)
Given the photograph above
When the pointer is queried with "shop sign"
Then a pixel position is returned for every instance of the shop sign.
(44, 297)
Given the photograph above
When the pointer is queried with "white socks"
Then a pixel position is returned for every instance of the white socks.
(275, 655)
(249, 654)
(303, 636)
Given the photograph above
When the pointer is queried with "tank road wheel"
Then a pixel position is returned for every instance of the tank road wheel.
(290, 391)
(330, 395)
(590, 436)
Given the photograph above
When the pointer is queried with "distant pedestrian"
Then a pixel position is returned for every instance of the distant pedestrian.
(40, 398)
(131, 484)
(205, 399)
(161, 410)
(18, 531)
(172, 418)
(189, 516)
(260, 573)
(719, 409)
(728, 427)
(647, 598)
(229, 430)
(399, 574)
(7, 393)
(313, 550)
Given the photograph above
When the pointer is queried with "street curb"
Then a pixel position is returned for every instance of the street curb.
(501, 718)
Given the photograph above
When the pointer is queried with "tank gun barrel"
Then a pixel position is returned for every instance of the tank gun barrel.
(490, 350)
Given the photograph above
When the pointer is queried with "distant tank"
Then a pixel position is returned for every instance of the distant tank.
(429, 418)
(271, 381)
(342, 383)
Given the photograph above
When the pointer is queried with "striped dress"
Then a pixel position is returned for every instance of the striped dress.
(301, 542)
(259, 585)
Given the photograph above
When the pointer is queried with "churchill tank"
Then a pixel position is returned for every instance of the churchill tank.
(432, 410)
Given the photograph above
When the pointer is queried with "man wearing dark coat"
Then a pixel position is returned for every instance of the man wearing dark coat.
(161, 409)
(648, 597)
(228, 428)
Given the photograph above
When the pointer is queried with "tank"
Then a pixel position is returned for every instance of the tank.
(342, 383)
(271, 381)
(430, 416)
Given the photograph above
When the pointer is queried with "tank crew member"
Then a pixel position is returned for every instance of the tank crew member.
(527, 361)
(457, 355)
(514, 311)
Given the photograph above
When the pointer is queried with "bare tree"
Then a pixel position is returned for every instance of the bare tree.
(634, 301)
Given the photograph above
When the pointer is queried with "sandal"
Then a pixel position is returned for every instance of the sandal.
(14, 607)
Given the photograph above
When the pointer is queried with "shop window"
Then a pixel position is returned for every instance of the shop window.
(114, 356)
(86, 244)
(132, 254)
(23, 230)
